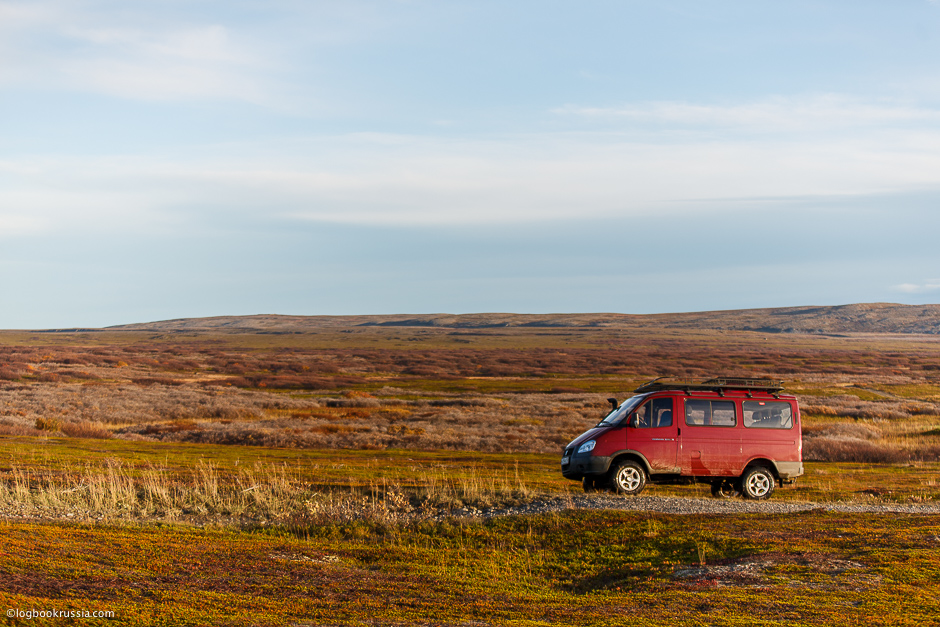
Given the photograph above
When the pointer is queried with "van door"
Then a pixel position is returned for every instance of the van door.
(711, 440)
(769, 431)
(654, 434)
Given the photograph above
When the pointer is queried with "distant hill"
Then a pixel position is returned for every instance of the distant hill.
(861, 318)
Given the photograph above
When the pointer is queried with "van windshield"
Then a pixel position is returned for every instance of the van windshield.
(624, 410)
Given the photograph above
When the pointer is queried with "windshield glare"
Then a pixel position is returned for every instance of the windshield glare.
(624, 410)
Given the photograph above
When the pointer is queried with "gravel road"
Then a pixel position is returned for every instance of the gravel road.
(547, 504)
(677, 505)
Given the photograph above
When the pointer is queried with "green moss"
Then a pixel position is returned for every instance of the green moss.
(572, 568)
(924, 391)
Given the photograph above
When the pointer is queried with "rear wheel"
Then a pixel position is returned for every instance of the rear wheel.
(628, 477)
(757, 483)
(725, 489)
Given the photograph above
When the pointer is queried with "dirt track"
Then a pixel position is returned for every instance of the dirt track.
(677, 505)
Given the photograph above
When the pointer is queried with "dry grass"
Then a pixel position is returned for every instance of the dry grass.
(262, 493)
(526, 423)
(192, 413)
(490, 391)
(861, 431)
(848, 406)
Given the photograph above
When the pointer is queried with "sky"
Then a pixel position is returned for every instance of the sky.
(169, 159)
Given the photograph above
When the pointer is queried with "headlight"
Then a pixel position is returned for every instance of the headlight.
(587, 447)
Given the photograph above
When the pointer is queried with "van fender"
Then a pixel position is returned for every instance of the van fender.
(631, 454)
(757, 460)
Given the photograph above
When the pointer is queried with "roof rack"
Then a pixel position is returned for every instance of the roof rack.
(714, 385)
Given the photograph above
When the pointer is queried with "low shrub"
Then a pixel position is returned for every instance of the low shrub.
(86, 430)
(175, 426)
(146, 381)
(352, 402)
(48, 424)
(8, 428)
(928, 453)
(842, 430)
(848, 449)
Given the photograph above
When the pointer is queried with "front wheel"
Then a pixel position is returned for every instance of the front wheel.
(725, 489)
(628, 478)
(592, 484)
(757, 483)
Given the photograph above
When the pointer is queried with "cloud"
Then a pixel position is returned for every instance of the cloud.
(90, 48)
(827, 113)
(269, 54)
(18, 225)
(931, 285)
(400, 179)
(196, 62)
(208, 43)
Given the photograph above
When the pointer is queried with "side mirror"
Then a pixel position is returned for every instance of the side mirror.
(634, 421)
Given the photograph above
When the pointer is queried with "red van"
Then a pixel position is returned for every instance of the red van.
(740, 435)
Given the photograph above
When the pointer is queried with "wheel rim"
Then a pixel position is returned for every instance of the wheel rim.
(628, 479)
(758, 484)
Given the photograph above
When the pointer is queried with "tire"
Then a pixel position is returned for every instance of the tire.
(757, 483)
(725, 489)
(591, 484)
(628, 477)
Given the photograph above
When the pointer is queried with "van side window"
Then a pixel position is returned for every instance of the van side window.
(655, 413)
(705, 413)
(768, 415)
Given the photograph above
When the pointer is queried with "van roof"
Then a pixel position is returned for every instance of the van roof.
(718, 384)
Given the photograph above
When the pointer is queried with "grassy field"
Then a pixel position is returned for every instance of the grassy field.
(572, 568)
(520, 390)
(338, 537)
(38, 472)
(311, 479)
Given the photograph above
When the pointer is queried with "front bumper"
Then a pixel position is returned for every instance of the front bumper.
(579, 466)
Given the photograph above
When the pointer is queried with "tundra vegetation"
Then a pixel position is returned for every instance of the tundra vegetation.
(314, 478)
